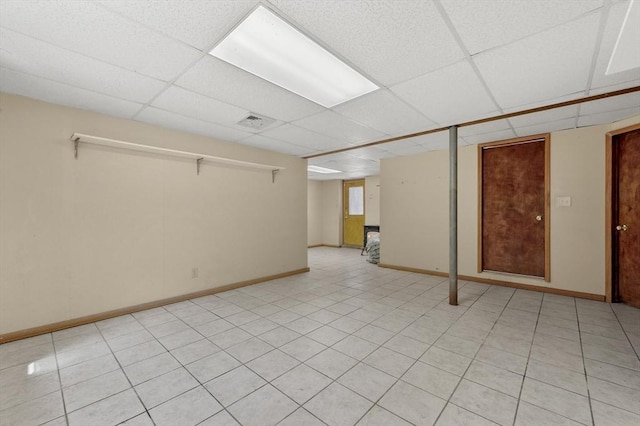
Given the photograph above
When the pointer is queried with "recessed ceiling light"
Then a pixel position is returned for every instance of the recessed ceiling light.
(318, 169)
(267, 46)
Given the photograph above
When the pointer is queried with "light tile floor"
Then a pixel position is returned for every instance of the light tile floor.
(345, 344)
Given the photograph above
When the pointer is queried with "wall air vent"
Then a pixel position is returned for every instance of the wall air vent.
(257, 122)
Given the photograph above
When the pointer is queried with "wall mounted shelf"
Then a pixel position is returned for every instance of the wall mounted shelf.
(78, 138)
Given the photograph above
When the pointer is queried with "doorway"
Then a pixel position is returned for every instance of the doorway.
(353, 229)
(513, 207)
(623, 216)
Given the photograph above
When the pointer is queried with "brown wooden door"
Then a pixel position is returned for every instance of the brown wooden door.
(514, 207)
(626, 218)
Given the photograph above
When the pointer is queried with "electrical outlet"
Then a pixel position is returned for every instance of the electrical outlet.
(194, 272)
(563, 201)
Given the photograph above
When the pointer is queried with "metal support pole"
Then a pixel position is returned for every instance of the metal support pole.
(453, 215)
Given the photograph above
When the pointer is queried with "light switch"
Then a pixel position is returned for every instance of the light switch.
(563, 201)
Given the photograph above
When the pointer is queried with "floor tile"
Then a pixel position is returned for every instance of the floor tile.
(559, 401)
(223, 418)
(606, 415)
(265, 407)
(249, 349)
(76, 356)
(558, 358)
(303, 325)
(283, 317)
(272, 364)
(92, 390)
(407, 346)
(613, 394)
(620, 359)
(259, 326)
(556, 376)
(301, 383)
(279, 336)
(139, 420)
(163, 388)
(241, 318)
(34, 412)
(229, 338)
(302, 348)
(109, 411)
(21, 391)
(130, 339)
(327, 335)
(446, 360)
(323, 316)
(331, 363)
(168, 328)
(194, 351)
(488, 403)
(431, 379)
(389, 361)
(460, 346)
(337, 405)
(212, 328)
(301, 417)
(139, 352)
(188, 409)
(212, 366)
(367, 381)
(452, 415)
(531, 415)
(149, 368)
(495, 378)
(355, 347)
(347, 324)
(412, 404)
(374, 334)
(234, 385)
(378, 416)
(612, 373)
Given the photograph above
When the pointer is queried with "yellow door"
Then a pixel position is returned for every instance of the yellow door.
(353, 230)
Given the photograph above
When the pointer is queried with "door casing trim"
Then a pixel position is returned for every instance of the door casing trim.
(609, 200)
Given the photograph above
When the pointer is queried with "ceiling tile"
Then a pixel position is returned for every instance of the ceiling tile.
(222, 81)
(199, 23)
(448, 96)
(260, 141)
(200, 107)
(486, 24)
(545, 116)
(372, 152)
(85, 27)
(338, 127)
(325, 159)
(31, 56)
(303, 137)
(490, 137)
(606, 117)
(175, 121)
(479, 129)
(546, 127)
(542, 67)
(383, 111)
(615, 19)
(390, 40)
(630, 100)
(62, 94)
(436, 141)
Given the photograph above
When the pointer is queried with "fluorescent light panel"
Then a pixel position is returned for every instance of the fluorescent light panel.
(626, 54)
(318, 169)
(265, 45)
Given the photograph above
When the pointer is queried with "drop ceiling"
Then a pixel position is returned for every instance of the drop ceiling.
(437, 63)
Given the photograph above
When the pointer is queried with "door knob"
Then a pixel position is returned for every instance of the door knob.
(621, 227)
(538, 218)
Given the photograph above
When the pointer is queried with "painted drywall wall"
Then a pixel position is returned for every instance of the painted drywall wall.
(117, 228)
(314, 213)
(332, 212)
(414, 211)
(372, 200)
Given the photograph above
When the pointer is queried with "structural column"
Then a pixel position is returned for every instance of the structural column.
(453, 215)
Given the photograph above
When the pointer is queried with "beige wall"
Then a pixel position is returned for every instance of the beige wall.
(314, 213)
(372, 200)
(118, 228)
(414, 211)
(332, 212)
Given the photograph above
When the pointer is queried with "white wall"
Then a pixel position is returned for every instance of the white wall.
(314, 213)
(414, 211)
(372, 200)
(117, 228)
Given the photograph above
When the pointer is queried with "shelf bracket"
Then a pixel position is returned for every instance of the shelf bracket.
(76, 141)
(274, 172)
(198, 161)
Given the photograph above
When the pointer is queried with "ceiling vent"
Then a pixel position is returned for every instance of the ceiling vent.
(257, 122)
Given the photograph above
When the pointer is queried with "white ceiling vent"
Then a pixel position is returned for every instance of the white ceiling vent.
(256, 121)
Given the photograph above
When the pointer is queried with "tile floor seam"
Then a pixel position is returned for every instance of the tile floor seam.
(584, 367)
